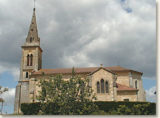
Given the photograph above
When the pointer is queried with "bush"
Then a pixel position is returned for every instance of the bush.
(30, 108)
(105, 108)
(100, 112)
(136, 108)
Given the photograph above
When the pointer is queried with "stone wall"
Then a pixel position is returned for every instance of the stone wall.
(17, 99)
(123, 78)
(141, 92)
(131, 95)
(97, 76)
(107, 76)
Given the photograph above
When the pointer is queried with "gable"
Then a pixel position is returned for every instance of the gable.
(102, 73)
(100, 69)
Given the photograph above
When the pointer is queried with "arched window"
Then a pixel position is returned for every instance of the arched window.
(136, 84)
(31, 60)
(26, 74)
(102, 86)
(98, 87)
(107, 90)
(28, 60)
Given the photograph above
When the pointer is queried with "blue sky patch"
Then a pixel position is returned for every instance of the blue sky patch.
(7, 80)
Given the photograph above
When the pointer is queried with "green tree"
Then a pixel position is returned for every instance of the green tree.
(60, 96)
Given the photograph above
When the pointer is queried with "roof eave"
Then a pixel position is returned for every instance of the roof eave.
(128, 90)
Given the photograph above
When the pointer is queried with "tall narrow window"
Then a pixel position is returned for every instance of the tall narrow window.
(31, 40)
(98, 87)
(136, 84)
(107, 91)
(26, 74)
(27, 60)
(31, 60)
(102, 86)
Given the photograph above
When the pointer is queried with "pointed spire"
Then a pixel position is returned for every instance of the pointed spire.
(32, 38)
(34, 4)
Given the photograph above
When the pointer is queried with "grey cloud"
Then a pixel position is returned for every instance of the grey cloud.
(83, 33)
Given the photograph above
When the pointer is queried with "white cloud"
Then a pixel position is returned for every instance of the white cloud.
(150, 94)
(9, 96)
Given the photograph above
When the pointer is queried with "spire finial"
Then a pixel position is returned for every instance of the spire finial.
(34, 5)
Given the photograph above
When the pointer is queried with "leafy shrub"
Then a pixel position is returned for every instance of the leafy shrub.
(30, 108)
(126, 108)
(100, 112)
(105, 108)
(59, 96)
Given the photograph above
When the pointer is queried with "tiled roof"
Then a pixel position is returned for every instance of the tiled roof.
(125, 88)
(80, 70)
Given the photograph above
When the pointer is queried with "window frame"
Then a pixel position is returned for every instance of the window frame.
(106, 87)
(98, 87)
(31, 60)
(27, 75)
(28, 59)
(102, 86)
(136, 84)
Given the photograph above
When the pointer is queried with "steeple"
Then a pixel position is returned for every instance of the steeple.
(31, 60)
(32, 38)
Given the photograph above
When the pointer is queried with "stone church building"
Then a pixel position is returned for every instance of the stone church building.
(108, 83)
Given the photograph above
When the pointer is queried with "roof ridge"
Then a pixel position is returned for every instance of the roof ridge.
(113, 69)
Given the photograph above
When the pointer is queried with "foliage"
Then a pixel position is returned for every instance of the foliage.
(2, 90)
(105, 108)
(137, 109)
(112, 107)
(30, 108)
(73, 96)
(100, 112)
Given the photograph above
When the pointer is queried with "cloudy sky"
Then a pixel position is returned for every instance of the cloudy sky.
(80, 33)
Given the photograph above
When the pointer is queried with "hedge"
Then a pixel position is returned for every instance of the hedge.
(34, 108)
(30, 108)
(108, 106)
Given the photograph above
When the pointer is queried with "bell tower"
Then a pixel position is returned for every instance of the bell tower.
(31, 50)
(31, 60)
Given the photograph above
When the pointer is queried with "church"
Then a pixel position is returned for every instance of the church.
(114, 83)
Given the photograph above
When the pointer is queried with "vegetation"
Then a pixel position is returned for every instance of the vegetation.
(59, 96)
(105, 108)
(2, 90)
(137, 108)
(30, 108)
